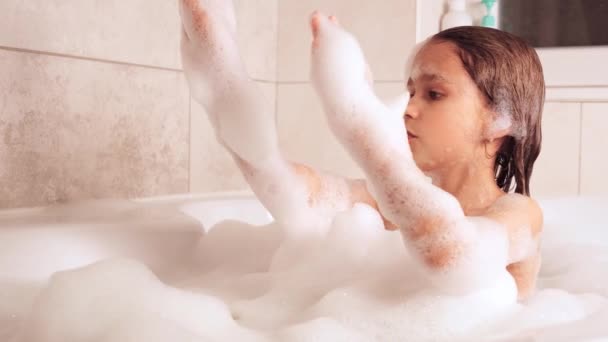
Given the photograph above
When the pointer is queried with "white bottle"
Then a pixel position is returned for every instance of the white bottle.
(457, 15)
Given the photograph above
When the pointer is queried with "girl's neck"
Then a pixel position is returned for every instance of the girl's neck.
(473, 185)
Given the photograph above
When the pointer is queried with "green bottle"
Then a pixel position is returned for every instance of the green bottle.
(488, 20)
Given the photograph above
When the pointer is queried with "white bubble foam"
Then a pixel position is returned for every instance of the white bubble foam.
(319, 275)
(238, 109)
(355, 283)
(319, 329)
(462, 254)
(338, 70)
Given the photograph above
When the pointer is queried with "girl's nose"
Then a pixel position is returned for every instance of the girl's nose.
(411, 111)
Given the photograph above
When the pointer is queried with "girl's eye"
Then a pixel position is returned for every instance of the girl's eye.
(433, 95)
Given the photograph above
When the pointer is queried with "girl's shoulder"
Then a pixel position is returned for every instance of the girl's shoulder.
(517, 208)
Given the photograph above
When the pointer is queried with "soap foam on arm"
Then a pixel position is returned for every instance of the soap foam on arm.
(245, 124)
(431, 220)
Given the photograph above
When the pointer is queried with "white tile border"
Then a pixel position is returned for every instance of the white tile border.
(575, 66)
(577, 94)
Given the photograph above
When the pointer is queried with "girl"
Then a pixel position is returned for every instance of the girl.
(472, 125)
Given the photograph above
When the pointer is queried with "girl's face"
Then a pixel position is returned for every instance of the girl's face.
(446, 113)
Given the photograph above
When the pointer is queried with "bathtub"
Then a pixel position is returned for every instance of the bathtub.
(161, 232)
(36, 242)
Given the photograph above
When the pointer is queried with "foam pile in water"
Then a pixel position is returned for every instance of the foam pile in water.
(349, 281)
(357, 283)
(115, 299)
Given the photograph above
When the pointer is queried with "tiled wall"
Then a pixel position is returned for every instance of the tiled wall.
(574, 142)
(572, 159)
(73, 128)
(93, 102)
(594, 145)
(386, 31)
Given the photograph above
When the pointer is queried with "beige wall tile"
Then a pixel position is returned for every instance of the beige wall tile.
(74, 129)
(556, 172)
(388, 91)
(211, 167)
(386, 30)
(134, 31)
(594, 160)
(257, 37)
(304, 134)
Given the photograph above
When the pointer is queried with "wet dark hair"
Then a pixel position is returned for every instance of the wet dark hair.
(509, 74)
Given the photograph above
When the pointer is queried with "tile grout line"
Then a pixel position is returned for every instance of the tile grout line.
(375, 82)
(401, 81)
(105, 61)
(565, 86)
(575, 101)
(263, 81)
(90, 59)
(276, 69)
(189, 141)
(580, 146)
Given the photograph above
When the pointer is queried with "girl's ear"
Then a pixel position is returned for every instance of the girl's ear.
(499, 134)
(498, 126)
